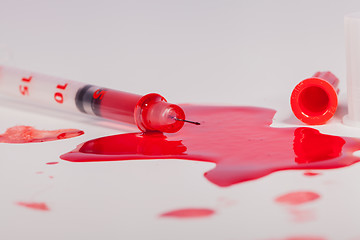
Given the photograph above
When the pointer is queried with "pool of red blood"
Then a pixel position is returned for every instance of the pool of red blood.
(239, 140)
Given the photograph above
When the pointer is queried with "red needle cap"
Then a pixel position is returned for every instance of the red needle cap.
(314, 100)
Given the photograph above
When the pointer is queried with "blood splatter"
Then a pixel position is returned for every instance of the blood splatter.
(189, 213)
(297, 198)
(34, 205)
(27, 134)
(311, 174)
(239, 140)
(52, 163)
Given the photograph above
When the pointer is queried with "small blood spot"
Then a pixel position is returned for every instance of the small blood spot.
(34, 205)
(297, 198)
(189, 213)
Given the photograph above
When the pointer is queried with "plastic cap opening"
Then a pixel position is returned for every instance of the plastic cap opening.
(314, 101)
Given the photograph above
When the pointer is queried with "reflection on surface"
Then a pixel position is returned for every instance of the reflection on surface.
(311, 146)
(154, 143)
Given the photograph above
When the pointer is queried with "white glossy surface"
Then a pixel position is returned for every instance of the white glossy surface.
(212, 52)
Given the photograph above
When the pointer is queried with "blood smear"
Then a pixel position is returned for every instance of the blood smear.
(189, 213)
(239, 140)
(311, 174)
(52, 163)
(27, 134)
(297, 198)
(34, 205)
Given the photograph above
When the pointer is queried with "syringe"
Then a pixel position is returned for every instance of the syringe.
(150, 112)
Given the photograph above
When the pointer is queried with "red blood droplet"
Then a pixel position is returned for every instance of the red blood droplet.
(297, 198)
(52, 163)
(311, 174)
(189, 213)
(34, 205)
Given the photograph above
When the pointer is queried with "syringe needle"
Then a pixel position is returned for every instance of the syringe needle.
(183, 120)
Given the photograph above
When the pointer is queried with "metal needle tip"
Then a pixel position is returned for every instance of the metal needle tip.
(183, 120)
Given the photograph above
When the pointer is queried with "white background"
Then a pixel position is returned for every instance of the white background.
(204, 52)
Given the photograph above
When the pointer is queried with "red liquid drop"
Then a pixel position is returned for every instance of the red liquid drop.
(52, 163)
(189, 213)
(297, 198)
(311, 174)
(239, 140)
(27, 134)
(34, 205)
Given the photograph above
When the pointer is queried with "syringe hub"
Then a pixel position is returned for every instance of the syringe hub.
(154, 113)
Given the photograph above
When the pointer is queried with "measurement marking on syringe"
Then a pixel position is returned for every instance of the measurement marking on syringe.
(24, 90)
(58, 96)
(99, 94)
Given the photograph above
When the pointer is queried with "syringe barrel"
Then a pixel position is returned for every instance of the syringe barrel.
(107, 103)
(34, 88)
(70, 96)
